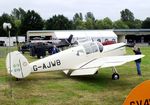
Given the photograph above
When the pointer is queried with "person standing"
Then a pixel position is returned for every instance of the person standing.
(137, 51)
(55, 49)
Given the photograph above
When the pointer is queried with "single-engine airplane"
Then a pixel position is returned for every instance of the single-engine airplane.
(83, 59)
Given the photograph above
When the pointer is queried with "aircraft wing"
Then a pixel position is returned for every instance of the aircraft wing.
(91, 67)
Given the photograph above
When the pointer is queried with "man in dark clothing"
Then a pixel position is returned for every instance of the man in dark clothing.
(138, 61)
(55, 49)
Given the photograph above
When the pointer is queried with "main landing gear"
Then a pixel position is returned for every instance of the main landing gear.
(115, 75)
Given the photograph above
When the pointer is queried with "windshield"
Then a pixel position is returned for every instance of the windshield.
(90, 48)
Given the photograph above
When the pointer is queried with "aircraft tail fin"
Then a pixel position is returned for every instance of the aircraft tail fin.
(17, 65)
(70, 38)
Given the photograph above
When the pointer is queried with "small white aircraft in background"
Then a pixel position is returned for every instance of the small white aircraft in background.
(84, 59)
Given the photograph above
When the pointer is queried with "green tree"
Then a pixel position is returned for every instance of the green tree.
(78, 22)
(31, 21)
(59, 22)
(90, 20)
(89, 24)
(99, 24)
(128, 18)
(78, 16)
(146, 23)
(89, 15)
(107, 23)
(8, 19)
(18, 14)
(119, 24)
(127, 15)
(137, 23)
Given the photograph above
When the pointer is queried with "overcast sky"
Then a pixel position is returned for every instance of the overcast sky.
(100, 8)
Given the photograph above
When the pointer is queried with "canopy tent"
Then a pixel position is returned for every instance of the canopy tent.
(101, 35)
(88, 34)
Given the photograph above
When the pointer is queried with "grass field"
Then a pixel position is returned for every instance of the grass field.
(55, 88)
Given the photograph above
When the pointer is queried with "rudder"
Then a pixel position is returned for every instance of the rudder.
(17, 65)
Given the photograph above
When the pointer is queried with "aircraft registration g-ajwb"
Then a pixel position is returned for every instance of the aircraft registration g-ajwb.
(84, 59)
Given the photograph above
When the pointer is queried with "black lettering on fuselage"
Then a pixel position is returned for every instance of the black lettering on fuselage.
(53, 63)
(58, 62)
(44, 66)
(35, 68)
(49, 65)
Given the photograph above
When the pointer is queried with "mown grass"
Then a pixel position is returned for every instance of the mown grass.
(55, 88)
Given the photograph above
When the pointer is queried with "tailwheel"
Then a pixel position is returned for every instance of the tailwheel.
(115, 76)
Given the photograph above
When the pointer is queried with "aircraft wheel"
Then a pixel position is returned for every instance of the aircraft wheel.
(115, 76)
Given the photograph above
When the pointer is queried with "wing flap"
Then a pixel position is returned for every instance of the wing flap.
(79, 72)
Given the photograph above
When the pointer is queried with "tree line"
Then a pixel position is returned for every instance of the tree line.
(22, 21)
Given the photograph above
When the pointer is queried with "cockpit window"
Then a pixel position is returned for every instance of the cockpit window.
(90, 48)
